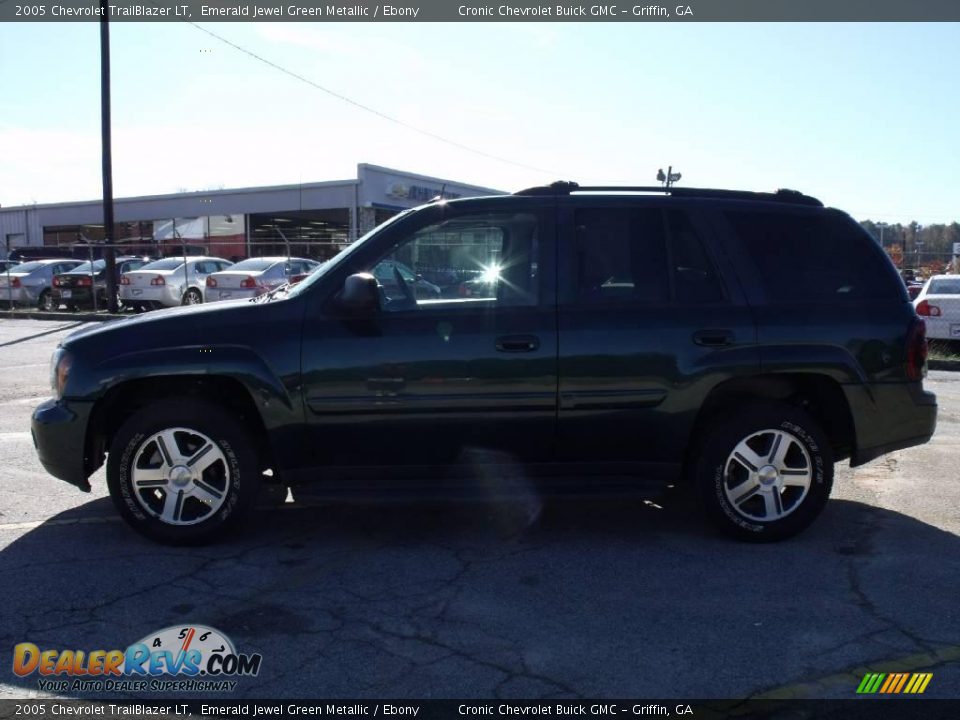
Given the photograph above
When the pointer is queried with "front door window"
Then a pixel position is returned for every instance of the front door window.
(487, 259)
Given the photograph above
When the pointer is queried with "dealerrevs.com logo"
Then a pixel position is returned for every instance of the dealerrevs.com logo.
(175, 659)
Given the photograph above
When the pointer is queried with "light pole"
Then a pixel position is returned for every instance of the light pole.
(107, 158)
(881, 225)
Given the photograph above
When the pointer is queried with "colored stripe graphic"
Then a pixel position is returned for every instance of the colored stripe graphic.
(903, 680)
(894, 683)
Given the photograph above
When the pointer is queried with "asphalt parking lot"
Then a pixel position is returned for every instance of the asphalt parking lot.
(599, 598)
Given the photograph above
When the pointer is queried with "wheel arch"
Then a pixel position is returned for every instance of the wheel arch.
(121, 401)
(817, 394)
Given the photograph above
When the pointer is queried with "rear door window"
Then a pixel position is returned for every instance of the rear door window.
(621, 256)
(814, 257)
(643, 256)
(695, 278)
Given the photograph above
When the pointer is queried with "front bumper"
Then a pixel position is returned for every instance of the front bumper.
(888, 417)
(59, 434)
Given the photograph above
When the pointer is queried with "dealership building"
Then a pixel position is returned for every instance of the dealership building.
(308, 220)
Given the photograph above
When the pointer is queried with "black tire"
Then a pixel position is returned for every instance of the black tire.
(741, 510)
(236, 475)
(45, 301)
(192, 297)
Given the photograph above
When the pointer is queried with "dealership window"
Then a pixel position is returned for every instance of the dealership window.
(314, 234)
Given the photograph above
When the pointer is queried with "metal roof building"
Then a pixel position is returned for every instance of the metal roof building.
(309, 219)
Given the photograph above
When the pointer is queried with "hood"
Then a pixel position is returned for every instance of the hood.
(209, 312)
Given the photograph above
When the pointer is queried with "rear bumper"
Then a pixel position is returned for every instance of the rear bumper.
(59, 434)
(889, 417)
(78, 296)
(20, 295)
(166, 295)
(939, 328)
(217, 294)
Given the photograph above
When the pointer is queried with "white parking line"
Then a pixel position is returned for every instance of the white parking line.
(25, 401)
(72, 521)
(14, 436)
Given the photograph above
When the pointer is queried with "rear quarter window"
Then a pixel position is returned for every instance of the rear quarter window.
(814, 257)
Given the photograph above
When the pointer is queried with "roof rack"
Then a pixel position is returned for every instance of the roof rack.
(563, 187)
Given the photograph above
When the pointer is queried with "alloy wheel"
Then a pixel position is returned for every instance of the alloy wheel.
(768, 475)
(180, 476)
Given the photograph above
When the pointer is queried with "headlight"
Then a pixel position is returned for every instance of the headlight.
(60, 363)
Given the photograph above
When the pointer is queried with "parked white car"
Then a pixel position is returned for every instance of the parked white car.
(255, 276)
(169, 282)
(939, 305)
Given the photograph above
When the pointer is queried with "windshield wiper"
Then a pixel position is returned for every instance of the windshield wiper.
(268, 296)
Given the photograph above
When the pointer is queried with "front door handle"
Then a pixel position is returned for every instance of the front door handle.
(713, 338)
(517, 343)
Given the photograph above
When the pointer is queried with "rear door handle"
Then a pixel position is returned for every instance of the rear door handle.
(713, 338)
(517, 343)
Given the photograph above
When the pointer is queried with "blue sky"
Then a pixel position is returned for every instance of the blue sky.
(865, 116)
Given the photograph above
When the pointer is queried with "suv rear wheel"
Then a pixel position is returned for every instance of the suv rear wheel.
(765, 472)
(182, 471)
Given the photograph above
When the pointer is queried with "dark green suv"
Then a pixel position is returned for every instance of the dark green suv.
(613, 339)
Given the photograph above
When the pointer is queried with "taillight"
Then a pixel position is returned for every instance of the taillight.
(248, 282)
(158, 280)
(15, 282)
(56, 281)
(211, 281)
(925, 309)
(916, 366)
(84, 281)
(124, 280)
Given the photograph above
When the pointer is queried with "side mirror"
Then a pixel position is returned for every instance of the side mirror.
(360, 294)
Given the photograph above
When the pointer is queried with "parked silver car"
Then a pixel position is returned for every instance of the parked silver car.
(169, 282)
(31, 283)
(255, 276)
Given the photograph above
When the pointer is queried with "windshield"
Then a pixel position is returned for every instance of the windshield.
(165, 264)
(946, 286)
(27, 267)
(252, 264)
(337, 259)
(85, 267)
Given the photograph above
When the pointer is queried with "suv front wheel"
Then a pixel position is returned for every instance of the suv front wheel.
(181, 471)
(764, 472)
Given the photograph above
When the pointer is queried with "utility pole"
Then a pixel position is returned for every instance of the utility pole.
(881, 225)
(107, 157)
(668, 178)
